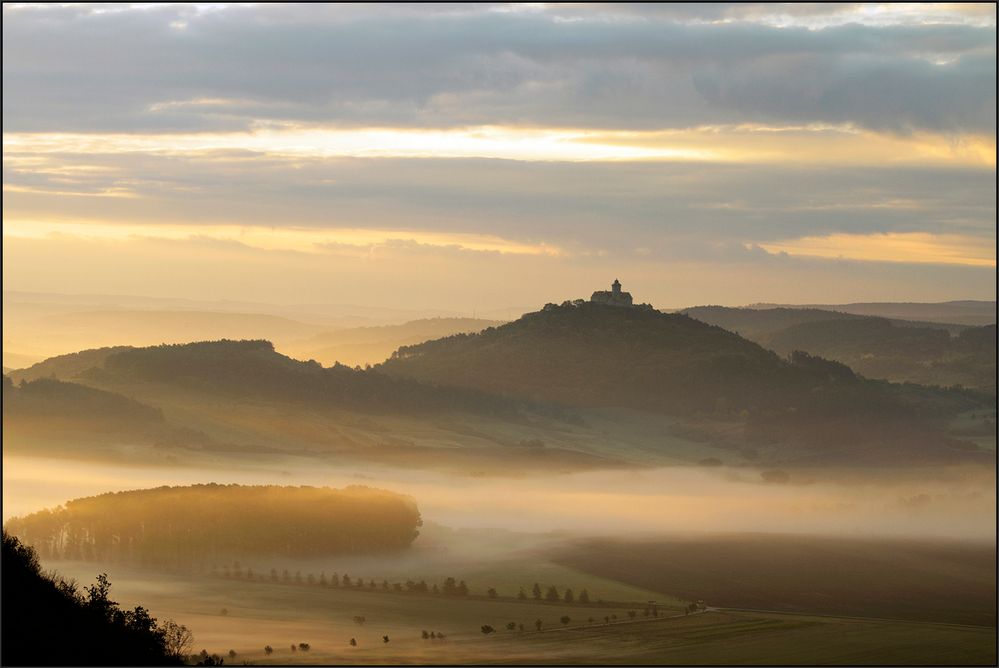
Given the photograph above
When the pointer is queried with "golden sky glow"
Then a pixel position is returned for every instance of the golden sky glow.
(745, 143)
(305, 240)
(892, 247)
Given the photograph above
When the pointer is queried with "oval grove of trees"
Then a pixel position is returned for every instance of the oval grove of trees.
(174, 526)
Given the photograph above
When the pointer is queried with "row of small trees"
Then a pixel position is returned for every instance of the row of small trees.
(449, 587)
(552, 596)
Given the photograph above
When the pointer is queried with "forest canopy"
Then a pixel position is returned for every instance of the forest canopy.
(175, 526)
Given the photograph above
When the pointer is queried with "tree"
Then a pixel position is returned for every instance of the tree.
(311, 579)
(606, 619)
(322, 579)
(353, 642)
(177, 639)
(590, 620)
(304, 646)
(491, 593)
(345, 580)
(486, 629)
(510, 626)
(584, 596)
(385, 585)
(632, 613)
(536, 590)
(232, 654)
(564, 619)
(520, 627)
(385, 638)
(268, 650)
(462, 588)
(274, 575)
(358, 619)
(538, 624)
(334, 580)
(285, 577)
(425, 635)
(521, 595)
(552, 594)
(435, 590)
(569, 598)
(224, 612)
(293, 648)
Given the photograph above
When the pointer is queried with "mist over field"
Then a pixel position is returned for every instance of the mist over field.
(950, 504)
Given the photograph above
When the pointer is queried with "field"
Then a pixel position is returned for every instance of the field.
(843, 608)
(941, 581)
(722, 637)
(262, 613)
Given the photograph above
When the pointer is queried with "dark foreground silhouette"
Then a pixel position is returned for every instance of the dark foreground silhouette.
(47, 622)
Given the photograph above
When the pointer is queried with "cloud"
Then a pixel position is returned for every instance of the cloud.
(668, 209)
(175, 68)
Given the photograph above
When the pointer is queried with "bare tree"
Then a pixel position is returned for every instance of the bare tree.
(177, 639)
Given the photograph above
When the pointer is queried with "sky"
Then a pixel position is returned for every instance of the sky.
(469, 157)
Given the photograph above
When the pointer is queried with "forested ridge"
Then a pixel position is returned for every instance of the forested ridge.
(177, 526)
(253, 369)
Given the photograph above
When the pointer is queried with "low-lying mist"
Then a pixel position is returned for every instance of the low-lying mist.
(955, 503)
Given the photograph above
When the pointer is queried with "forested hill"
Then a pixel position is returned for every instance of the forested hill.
(585, 354)
(254, 370)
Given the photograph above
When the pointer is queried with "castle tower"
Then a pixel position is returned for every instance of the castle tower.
(616, 287)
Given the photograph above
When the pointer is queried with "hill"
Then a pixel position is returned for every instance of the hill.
(896, 350)
(964, 312)
(587, 355)
(50, 399)
(359, 346)
(253, 369)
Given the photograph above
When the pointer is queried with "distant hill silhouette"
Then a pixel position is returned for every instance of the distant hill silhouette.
(897, 350)
(964, 312)
(358, 346)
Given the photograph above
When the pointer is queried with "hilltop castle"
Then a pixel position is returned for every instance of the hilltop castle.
(613, 297)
